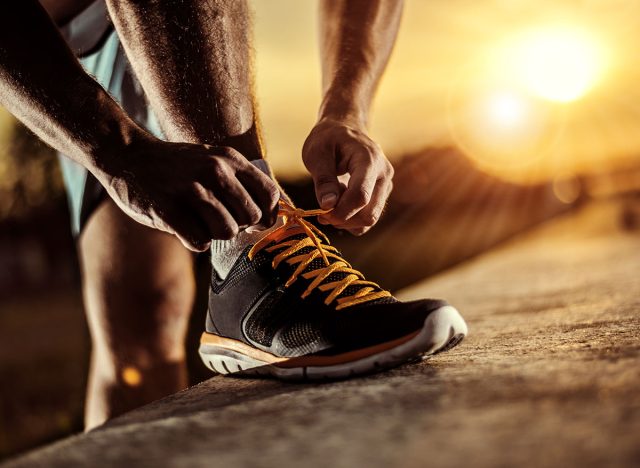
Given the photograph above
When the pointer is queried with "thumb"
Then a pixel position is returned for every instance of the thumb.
(326, 184)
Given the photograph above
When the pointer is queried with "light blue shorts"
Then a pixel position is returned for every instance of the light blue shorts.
(92, 37)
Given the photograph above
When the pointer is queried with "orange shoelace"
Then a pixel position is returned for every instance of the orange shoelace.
(281, 238)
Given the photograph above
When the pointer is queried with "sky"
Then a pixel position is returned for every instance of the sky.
(453, 78)
(527, 88)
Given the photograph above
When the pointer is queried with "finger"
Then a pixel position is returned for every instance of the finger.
(220, 224)
(190, 230)
(369, 215)
(263, 191)
(325, 178)
(238, 203)
(194, 245)
(358, 194)
(324, 219)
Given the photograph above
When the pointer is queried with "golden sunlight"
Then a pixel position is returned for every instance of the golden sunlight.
(525, 88)
(502, 129)
(506, 110)
(556, 63)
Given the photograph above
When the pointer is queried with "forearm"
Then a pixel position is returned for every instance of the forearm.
(194, 191)
(44, 86)
(357, 37)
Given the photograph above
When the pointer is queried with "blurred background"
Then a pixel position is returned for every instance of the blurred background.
(496, 114)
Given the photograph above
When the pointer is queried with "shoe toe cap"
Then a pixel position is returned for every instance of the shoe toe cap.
(370, 324)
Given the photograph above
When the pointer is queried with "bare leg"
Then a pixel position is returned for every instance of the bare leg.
(138, 292)
(192, 58)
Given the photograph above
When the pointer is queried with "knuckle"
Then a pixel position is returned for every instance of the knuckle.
(218, 168)
(362, 196)
(223, 184)
(227, 152)
(224, 175)
(367, 155)
(213, 163)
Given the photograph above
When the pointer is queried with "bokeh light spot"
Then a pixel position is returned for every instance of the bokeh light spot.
(566, 189)
(131, 376)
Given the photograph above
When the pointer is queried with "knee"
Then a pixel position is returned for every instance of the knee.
(139, 321)
(155, 298)
(143, 319)
(139, 289)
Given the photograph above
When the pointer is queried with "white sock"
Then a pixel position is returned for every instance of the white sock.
(224, 253)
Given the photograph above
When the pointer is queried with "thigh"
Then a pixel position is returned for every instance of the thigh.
(138, 288)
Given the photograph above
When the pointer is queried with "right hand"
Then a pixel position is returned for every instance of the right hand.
(196, 192)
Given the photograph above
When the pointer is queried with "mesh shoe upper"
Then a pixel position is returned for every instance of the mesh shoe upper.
(287, 297)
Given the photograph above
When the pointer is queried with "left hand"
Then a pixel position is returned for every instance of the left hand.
(335, 148)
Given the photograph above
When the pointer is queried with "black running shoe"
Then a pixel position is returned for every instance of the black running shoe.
(292, 307)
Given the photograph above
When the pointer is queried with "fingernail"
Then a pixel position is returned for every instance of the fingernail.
(328, 201)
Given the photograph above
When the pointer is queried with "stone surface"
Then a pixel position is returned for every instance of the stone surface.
(549, 376)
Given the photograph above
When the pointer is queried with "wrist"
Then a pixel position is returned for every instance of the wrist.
(345, 109)
(114, 137)
(114, 151)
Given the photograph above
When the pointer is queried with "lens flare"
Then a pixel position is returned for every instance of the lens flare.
(506, 110)
(503, 130)
(558, 64)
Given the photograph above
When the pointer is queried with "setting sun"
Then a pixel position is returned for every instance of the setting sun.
(558, 64)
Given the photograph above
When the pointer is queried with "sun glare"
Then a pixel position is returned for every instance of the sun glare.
(557, 64)
(506, 110)
(506, 114)
(502, 129)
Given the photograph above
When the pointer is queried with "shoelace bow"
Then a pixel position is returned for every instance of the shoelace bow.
(281, 237)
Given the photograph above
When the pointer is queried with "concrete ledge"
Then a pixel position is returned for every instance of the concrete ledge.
(548, 377)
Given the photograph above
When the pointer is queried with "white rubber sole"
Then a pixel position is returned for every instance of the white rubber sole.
(443, 329)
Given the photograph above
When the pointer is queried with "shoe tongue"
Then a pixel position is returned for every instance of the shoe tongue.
(297, 233)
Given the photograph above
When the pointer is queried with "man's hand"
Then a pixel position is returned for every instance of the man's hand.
(333, 149)
(356, 38)
(196, 192)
